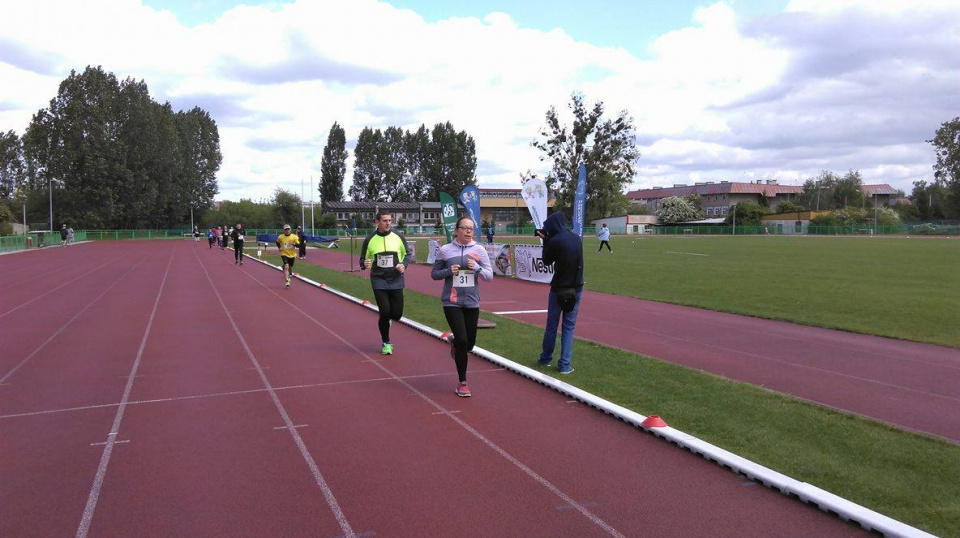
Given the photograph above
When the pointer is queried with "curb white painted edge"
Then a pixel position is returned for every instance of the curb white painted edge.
(822, 499)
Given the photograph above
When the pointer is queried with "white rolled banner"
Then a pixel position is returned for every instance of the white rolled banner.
(534, 193)
(433, 248)
(530, 264)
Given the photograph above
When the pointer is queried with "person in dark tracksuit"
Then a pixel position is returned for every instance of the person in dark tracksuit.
(564, 250)
(385, 254)
(237, 236)
(303, 242)
(459, 264)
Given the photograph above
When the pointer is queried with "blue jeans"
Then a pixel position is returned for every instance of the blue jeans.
(566, 336)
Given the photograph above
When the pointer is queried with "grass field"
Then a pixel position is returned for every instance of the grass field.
(908, 476)
(907, 288)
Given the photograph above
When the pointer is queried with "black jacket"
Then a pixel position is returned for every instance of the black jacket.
(564, 250)
(235, 235)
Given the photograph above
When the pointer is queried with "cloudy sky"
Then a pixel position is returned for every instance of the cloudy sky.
(731, 90)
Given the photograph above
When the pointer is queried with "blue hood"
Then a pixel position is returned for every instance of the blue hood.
(555, 224)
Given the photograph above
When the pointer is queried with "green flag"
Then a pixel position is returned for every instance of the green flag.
(448, 208)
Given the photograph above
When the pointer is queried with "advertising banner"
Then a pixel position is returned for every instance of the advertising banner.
(530, 264)
(448, 210)
(470, 198)
(534, 193)
(580, 201)
(433, 247)
(500, 258)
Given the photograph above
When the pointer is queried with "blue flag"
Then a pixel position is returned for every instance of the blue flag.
(470, 198)
(580, 201)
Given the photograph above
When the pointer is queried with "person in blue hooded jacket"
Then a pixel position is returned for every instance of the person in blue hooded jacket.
(564, 250)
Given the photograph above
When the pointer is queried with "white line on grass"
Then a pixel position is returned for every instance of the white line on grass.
(111, 437)
(67, 324)
(482, 438)
(687, 253)
(327, 492)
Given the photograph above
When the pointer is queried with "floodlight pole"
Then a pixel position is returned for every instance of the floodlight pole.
(313, 231)
(192, 225)
(875, 229)
(734, 219)
(303, 215)
(51, 203)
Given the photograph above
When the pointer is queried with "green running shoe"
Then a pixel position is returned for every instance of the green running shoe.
(387, 349)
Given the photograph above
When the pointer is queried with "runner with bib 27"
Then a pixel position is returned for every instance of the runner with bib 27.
(385, 254)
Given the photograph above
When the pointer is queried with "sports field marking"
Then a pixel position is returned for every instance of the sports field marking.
(520, 312)
(115, 442)
(67, 324)
(111, 437)
(446, 412)
(285, 427)
(42, 295)
(765, 333)
(609, 529)
(237, 392)
(327, 492)
(782, 361)
(687, 253)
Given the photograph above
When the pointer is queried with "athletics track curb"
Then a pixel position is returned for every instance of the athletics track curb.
(824, 500)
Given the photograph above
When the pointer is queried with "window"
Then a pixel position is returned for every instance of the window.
(724, 210)
(506, 215)
(430, 215)
(342, 216)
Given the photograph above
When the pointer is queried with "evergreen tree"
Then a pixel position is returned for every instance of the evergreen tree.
(333, 166)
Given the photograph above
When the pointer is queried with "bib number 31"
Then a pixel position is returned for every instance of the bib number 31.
(464, 280)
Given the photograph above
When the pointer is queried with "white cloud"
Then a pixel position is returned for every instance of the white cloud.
(822, 85)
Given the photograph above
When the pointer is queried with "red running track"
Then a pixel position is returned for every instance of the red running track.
(174, 393)
(913, 385)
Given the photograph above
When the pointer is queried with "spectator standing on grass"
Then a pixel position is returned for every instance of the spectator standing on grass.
(490, 235)
(385, 254)
(302, 236)
(604, 236)
(69, 235)
(237, 236)
(63, 235)
(287, 243)
(564, 250)
(459, 264)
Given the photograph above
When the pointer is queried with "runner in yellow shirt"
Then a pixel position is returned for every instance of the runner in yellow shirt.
(288, 243)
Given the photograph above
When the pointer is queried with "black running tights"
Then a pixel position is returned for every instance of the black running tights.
(390, 303)
(463, 325)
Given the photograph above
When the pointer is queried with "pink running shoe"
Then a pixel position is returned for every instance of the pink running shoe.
(463, 390)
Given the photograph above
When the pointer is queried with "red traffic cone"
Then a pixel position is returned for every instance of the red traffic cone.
(654, 421)
(445, 335)
(365, 302)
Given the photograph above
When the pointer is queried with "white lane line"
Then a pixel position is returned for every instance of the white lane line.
(520, 312)
(115, 442)
(67, 324)
(88, 511)
(285, 427)
(327, 492)
(239, 392)
(42, 295)
(476, 434)
(687, 253)
(445, 412)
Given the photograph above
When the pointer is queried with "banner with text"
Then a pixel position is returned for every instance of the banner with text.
(530, 264)
(433, 246)
(534, 193)
(470, 198)
(500, 258)
(448, 210)
(580, 200)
